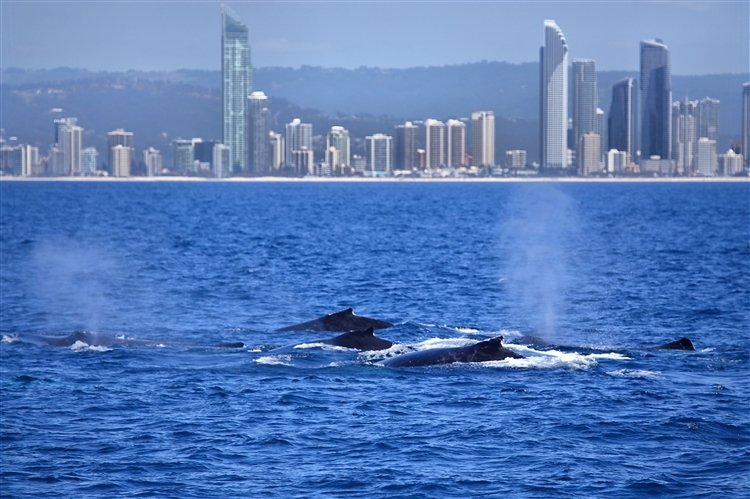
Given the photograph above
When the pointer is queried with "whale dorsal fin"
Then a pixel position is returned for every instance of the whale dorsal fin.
(369, 332)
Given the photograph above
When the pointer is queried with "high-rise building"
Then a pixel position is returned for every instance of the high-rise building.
(338, 140)
(220, 161)
(88, 161)
(515, 159)
(183, 155)
(405, 147)
(707, 119)
(121, 159)
(303, 162)
(70, 141)
(684, 138)
(378, 153)
(298, 135)
(455, 143)
(434, 143)
(61, 123)
(617, 161)
(18, 160)
(746, 122)
(731, 163)
(258, 128)
(237, 84)
(56, 161)
(590, 149)
(554, 97)
(706, 160)
(656, 100)
(276, 140)
(621, 125)
(483, 138)
(584, 99)
(118, 138)
(152, 159)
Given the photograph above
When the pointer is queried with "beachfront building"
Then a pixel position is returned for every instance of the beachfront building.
(378, 154)
(554, 98)
(483, 138)
(237, 84)
(455, 143)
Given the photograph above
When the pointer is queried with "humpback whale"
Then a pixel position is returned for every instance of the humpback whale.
(483, 351)
(536, 341)
(102, 340)
(358, 340)
(342, 321)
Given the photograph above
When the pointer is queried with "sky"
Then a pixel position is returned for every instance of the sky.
(704, 37)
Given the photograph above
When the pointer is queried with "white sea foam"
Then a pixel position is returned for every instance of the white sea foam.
(706, 350)
(552, 359)
(80, 346)
(323, 346)
(635, 373)
(10, 338)
(275, 360)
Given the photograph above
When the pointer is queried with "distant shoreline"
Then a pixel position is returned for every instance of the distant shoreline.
(377, 179)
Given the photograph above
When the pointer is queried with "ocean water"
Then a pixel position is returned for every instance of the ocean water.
(606, 267)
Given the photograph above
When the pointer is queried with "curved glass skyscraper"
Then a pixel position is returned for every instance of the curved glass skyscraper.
(237, 85)
(656, 100)
(554, 97)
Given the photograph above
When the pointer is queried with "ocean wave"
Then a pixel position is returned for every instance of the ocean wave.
(80, 346)
(275, 360)
(10, 338)
(323, 346)
(635, 373)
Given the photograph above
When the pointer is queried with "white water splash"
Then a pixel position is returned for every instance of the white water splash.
(275, 360)
(10, 339)
(635, 374)
(80, 346)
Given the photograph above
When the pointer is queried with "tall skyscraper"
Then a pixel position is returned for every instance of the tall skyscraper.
(455, 143)
(554, 97)
(70, 141)
(121, 156)
(118, 138)
(338, 139)
(405, 147)
(656, 100)
(707, 119)
(220, 161)
(622, 118)
(258, 128)
(237, 84)
(298, 135)
(378, 153)
(746, 122)
(88, 161)
(590, 149)
(684, 136)
(584, 100)
(152, 159)
(434, 143)
(276, 141)
(706, 160)
(483, 138)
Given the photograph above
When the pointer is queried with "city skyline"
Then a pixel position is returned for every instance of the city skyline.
(174, 35)
(249, 139)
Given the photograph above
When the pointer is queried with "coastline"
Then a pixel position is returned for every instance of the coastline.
(379, 179)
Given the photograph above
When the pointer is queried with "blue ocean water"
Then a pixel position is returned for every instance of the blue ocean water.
(608, 267)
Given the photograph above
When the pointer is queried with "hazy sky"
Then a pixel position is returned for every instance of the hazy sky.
(704, 37)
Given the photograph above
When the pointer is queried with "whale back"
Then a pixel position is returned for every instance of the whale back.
(342, 321)
(681, 344)
(361, 340)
